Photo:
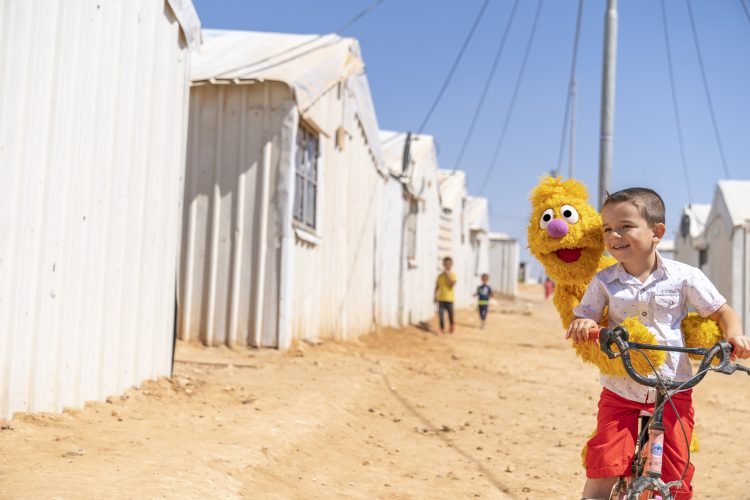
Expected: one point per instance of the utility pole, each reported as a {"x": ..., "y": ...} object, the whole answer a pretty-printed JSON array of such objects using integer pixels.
[
  {"x": 608, "y": 99},
  {"x": 572, "y": 148}
]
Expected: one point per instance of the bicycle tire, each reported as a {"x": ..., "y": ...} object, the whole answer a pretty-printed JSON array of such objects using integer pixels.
[{"x": 646, "y": 483}]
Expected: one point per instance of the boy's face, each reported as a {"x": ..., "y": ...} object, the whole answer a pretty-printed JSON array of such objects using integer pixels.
[
  {"x": 627, "y": 235},
  {"x": 485, "y": 279},
  {"x": 447, "y": 264}
]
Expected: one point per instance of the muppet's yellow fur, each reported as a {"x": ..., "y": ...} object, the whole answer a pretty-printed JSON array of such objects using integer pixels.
[{"x": 585, "y": 239}]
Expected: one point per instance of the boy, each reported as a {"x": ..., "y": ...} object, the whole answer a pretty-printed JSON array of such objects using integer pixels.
[
  {"x": 444, "y": 294},
  {"x": 659, "y": 292},
  {"x": 483, "y": 292}
]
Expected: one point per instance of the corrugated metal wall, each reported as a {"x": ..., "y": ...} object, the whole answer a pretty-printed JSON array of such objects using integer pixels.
[
  {"x": 332, "y": 275},
  {"x": 419, "y": 277},
  {"x": 504, "y": 265},
  {"x": 92, "y": 131},
  {"x": 389, "y": 242},
  {"x": 229, "y": 127},
  {"x": 334, "y": 290}
]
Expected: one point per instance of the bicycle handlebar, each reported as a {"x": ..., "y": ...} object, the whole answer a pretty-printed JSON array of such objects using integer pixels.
[{"x": 619, "y": 337}]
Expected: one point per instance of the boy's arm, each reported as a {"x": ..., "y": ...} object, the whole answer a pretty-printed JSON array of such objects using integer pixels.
[
  {"x": 730, "y": 324},
  {"x": 588, "y": 312},
  {"x": 451, "y": 277}
]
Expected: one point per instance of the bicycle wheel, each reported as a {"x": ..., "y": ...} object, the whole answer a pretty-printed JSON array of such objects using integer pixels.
[{"x": 645, "y": 483}]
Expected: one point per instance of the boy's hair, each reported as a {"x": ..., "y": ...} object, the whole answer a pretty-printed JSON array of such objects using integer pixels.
[
  {"x": 485, "y": 275},
  {"x": 447, "y": 259},
  {"x": 647, "y": 201}
]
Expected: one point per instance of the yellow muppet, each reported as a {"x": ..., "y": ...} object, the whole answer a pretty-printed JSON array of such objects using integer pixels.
[{"x": 565, "y": 234}]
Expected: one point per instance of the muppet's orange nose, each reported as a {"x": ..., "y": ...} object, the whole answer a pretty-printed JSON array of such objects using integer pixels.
[{"x": 557, "y": 228}]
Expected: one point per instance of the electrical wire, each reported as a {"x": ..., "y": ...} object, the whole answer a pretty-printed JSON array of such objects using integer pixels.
[
  {"x": 747, "y": 11},
  {"x": 571, "y": 81},
  {"x": 513, "y": 98},
  {"x": 708, "y": 93},
  {"x": 339, "y": 31},
  {"x": 486, "y": 87},
  {"x": 674, "y": 101},
  {"x": 453, "y": 68}
]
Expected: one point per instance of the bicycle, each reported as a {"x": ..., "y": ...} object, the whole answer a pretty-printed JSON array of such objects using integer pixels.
[{"x": 646, "y": 471}]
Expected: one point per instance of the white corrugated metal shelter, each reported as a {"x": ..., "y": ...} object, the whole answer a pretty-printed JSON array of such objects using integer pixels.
[
  {"x": 454, "y": 231},
  {"x": 478, "y": 256},
  {"x": 724, "y": 245},
  {"x": 93, "y": 121},
  {"x": 284, "y": 178},
  {"x": 692, "y": 222},
  {"x": 419, "y": 214},
  {"x": 503, "y": 264}
]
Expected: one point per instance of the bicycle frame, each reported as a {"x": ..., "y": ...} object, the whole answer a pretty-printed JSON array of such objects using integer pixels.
[{"x": 647, "y": 462}]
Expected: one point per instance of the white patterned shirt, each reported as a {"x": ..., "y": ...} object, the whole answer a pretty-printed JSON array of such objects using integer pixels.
[{"x": 660, "y": 303}]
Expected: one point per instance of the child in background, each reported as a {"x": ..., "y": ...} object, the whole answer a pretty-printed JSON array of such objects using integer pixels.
[
  {"x": 444, "y": 293},
  {"x": 484, "y": 292}
]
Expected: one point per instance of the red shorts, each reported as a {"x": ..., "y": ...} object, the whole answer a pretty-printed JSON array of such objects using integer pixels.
[{"x": 611, "y": 449}]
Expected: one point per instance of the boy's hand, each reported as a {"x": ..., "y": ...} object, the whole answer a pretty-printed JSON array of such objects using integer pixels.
[
  {"x": 741, "y": 345},
  {"x": 579, "y": 329}
]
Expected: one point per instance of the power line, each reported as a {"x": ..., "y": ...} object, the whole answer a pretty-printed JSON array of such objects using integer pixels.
[
  {"x": 674, "y": 101},
  {"x": 708, "y": 93},
  {"x": 339, "y": 31},
  {"x": 453, "y": 68},
  {"x": 359, "y": 16},
  {"x": 571, "y": 82},
  {"x": 486, "y": 87},
  {"x": 747, "y": 11},
  {"x": 513, "y": 99}
]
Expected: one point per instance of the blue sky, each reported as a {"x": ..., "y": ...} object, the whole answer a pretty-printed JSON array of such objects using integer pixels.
[{"x": 409, "y": 46}]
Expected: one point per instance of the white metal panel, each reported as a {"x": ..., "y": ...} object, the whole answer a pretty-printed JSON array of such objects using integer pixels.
[
  {"x": 331, "y": 283},
  {"x": 503, "y": 264},
  {"x": 93, "y": 106},
  {"x": 389, "y": 252},
  {"x": 420, "y": 180},
  {"x": 230, "y": 127}
]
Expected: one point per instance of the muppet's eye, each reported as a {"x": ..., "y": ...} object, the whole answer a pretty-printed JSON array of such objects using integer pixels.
[
  {"x": 569, "y": 213},
  {"x": 547, "y": 217}
]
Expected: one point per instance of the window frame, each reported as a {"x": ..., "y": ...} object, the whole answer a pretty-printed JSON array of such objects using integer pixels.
[{"x": 306, "y": 179}]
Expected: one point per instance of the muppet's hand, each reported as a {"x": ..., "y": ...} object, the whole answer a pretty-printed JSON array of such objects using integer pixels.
[{"x": 579, "y": 329}]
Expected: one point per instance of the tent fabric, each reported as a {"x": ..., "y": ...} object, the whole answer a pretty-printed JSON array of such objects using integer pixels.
[
  {"x": 310, "y": 64},
  {"x": 736, "y": 194},
  {"x": 422, "y": 156},
  {"x": 184, "y": 11},
  {"x": 698, "y": 214},
  {"x": 477, "y": 214},
  {"x": 452, "y": 188}
]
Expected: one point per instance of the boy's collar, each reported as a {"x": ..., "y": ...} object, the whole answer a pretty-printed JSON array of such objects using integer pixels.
[{"x": 619, "y": 272}]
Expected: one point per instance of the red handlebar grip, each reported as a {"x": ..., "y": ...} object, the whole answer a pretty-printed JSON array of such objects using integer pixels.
[{"x": 594, "y": 334}]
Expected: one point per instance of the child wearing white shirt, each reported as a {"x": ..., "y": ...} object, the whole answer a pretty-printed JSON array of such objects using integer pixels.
[{"x": 659, "y": 292}]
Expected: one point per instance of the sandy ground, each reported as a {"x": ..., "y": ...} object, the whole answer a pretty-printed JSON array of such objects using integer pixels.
[{"x": 494, "y": 413}]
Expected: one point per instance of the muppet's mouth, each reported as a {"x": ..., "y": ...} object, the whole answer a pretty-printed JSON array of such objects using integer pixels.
[{"x": 568, "y": 254}]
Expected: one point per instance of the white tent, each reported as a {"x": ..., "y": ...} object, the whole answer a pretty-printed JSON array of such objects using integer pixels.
[
  {"x": 478, "y": 256},
  {"x": 723, "y": 245},
  {"x": 92, "y": 147},
  {"x": 284, "y": 180},
  {"x": 453, "y": 236},
  {"x": 503, "y": 264},
  {"x": 692, "y": 222},
  {"x": 716, "y": 238},
  {"x": 412, "y": 159}
]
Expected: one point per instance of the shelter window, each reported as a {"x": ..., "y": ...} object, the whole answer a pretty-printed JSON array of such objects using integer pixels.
[{"x": 306, "y": 178}]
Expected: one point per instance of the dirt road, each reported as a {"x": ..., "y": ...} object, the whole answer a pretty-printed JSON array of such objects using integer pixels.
[{"x": 494, "y": 413}]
